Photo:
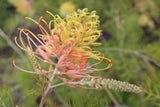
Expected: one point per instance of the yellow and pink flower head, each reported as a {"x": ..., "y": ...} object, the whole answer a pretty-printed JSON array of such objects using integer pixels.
[{"x": 70, "y": 41}]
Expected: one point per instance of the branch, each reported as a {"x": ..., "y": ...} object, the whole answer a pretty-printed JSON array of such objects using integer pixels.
[
  {"x": 11, "y": 44},
  {"x": 49, "y": 87},
  {"x": 65, "y": 104},
  {"x": 136, "y": 53},
  {"x": 113, "y": 98},
  {"x": 57, "y": 85}
]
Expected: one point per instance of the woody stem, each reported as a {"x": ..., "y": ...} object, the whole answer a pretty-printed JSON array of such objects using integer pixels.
[{"x": 49, "y": 87}]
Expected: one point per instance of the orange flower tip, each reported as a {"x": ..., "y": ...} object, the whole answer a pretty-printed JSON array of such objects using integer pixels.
[
  {"x": 105, "y": 76},
  {"x": 18, "y": 28},
  {"x": 41, "y": 17},
  {"x": 42, "y": 20},
  {"x": 27, "y": 33},
  {"x": 103, "y": 54},
  {"x": 25, "y": 30},
  {"x": 14, "y": 60},
  {"x": 15, "y": 37},
  {"x": 99, "y": 60},
  {"x": 110, "y": 62},
  {"x": 26, "y": 18},
  {"x": 87, "y": 29},
  {"x": 47, "y": 11}
]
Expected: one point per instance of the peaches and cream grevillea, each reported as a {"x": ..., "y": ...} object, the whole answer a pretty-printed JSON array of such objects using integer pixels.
[
  {"x": 66, "y": 48},
  {"x": 69, "y": 41}
]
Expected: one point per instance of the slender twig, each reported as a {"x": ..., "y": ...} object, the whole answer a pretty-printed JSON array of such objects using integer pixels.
[
  {"x": 11, "y": 44},
  {"x": 57, "y": 85},
  {"x": 61, "y": 100},
  {"x": 135, "y": 52},
  {"x": 145, "y": 58},
  {"x": 112, "y": 98},
  {"x": 49, "y": 87}
]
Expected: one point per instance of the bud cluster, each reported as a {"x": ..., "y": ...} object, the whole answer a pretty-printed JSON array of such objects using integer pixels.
[{"x": 102, "y": 83}]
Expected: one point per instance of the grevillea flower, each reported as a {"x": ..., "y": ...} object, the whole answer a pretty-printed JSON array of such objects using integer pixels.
[
  {"x": 66, "y": 47},
  {"x": 67, "y": 8},
  {"x": 70, "y": 41},
  {"x": 24, "y": 7}
]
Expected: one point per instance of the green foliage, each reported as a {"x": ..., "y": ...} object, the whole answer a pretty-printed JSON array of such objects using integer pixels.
[
  {"x": 3, "y": 43},
  {"x": 28, "y": 84},
  {"x": 11, "y": 23},
  {"x": 5, "y": 10},
  {"x": 153, "y": 51},
  {"x": 6, "y": 99},
  {"x": 132, "y": 46}
]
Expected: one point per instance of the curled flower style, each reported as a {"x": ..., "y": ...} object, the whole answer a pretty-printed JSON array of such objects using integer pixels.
[{"x": 70, "y": 41}]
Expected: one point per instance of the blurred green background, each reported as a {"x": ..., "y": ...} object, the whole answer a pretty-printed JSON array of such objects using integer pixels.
[{"x": 131, "y": 38}]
